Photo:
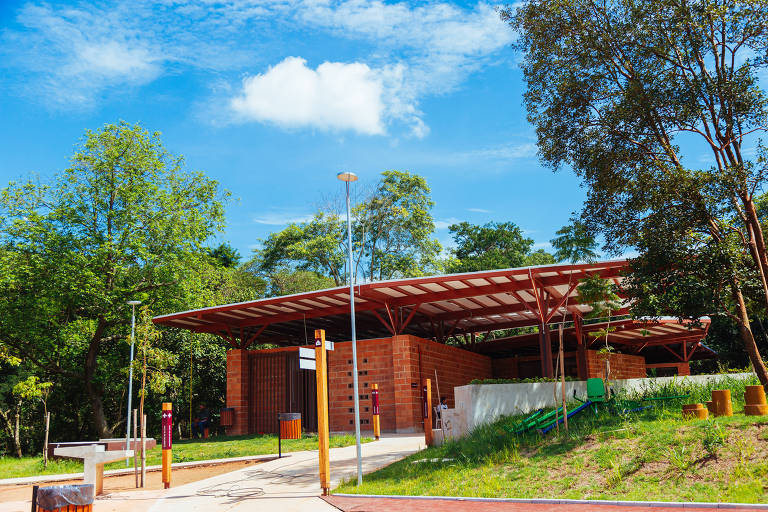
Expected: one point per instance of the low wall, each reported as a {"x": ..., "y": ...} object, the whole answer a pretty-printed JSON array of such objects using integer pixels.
[{"x": 477, "y": 404}]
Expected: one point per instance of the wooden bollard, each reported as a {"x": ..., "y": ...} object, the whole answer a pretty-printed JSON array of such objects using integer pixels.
[
  {"x": 427, "y": 411},
  {"x": 695, "y": 411},
  {"x": 711, "y": 407},
  {"x": 375, "y": 408},
  {"x": 721, "y": 399},
  {"x": 754, "y": 401}
]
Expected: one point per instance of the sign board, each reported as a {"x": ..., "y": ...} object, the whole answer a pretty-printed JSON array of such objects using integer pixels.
[
  {"x": 375, "y": 399},
  {"x": 306, "y": 353},
  {"x": 307, "y": 364},
  {"x": 328, "y": 344},
  {"x": 167, "y": 429},
  {"x": 424, "y": 402}
]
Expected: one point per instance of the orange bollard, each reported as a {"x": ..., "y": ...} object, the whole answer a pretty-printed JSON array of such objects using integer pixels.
[
  {"x": 375, "y": 408},
  {"x": 754, "y": 401},
  {"x": 167, "y": 443},
  {"x": 722, "y": 402},
  {"x": 695, "y": 411}
]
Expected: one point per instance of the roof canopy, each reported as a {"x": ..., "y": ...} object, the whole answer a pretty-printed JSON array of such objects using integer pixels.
[{"x": 431, "y": 307}]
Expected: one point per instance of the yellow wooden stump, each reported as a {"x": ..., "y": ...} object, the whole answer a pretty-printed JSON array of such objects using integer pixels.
[
  {"x": 695, "y": 411},
  {"x": 754, "y": 401},
  {"x": 721, "y": 399}
]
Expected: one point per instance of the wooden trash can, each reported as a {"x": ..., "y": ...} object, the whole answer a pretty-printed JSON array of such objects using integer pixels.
[
  {"x": 754, "y": 401},
  {"x": 695, "y": 411},
  {"x": 63, "y": 498},
  {"x": 721, "y": 399},
  {"x": 290, "y": 425},
  {"x": 227, "y": 417}
]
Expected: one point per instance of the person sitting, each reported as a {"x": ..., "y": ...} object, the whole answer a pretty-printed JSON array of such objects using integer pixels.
[
  {"x": 201, "y": 423},
  {"x": 443, "y": 405}
]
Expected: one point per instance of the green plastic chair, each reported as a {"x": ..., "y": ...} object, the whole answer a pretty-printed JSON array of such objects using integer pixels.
[{"x": 596, "y": 390}]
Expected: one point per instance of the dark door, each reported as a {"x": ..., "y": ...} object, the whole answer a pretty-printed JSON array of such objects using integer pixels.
[{"x": 279, "y": 385}]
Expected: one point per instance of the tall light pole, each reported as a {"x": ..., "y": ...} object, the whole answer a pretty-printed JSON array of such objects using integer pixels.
[
  {"x": 347, "y": 178},
  {"x": 133, "y": 304}
]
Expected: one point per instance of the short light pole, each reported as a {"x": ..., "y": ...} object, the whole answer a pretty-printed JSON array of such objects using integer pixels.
[
  {"x": 347, "y": 178},
  {"x": 133, "y": 304}
]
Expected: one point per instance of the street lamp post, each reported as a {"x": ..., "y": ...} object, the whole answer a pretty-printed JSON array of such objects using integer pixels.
[
  {"x": 347, "y": 178},
  {"x": 133, "y": 304}
]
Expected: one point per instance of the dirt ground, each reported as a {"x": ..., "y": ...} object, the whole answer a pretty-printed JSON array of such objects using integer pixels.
[{"x": 124, "y": 483}]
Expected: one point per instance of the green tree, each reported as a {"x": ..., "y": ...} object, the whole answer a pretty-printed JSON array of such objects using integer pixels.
[
  {"x": 630, "y": 95},
  {"x": 392, "y": 237},
  {"x": 123, "y": 221},
  {"x": 394, "y": 229},
  {"x": 575, "y": 243},
  {"x": 492, "y": 246},
  {"x": 226, "y": 255}
]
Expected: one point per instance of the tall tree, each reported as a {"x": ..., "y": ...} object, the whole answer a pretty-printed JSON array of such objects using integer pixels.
[
  {"x": 392, "y": 237},
  {"x": 491, "y": 246},
  {"x": 630, "y": 95},
  {"x": 124, "y": 221}
]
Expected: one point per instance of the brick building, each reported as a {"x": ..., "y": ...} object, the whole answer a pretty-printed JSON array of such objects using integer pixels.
[{"x": 412, "y": 329}]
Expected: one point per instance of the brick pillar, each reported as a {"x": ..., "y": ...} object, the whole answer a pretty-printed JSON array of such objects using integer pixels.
[
  {"x": 683, "y": 369},
  {"x": 407, "y": 399},
  {"x": 238, "y": 384}
]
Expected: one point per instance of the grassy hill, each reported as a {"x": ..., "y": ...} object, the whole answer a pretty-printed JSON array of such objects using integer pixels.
[{"x": 648, "y": 455}]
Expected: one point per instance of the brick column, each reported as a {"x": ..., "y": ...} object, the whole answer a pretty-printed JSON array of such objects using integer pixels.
[
  {"x": 406, "y": 370},
  {"x": 238, "y": 385}
]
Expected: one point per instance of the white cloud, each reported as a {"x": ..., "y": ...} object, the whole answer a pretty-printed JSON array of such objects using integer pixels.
[
  {"x": 446, "y": 223},
  {"x": 478, "y": 210},
  {"x": 382, "y": 59},
  {"x": 281, "y": 219},
  {"x": 335, "y": 96}
]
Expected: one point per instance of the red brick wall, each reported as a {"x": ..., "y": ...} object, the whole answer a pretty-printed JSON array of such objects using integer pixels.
[
  {"x": 623, "y": 366},
  {"x": 392, "y": 363},
  {"x": 374, "y": 366},
  {"x": 237, "y": 389}
]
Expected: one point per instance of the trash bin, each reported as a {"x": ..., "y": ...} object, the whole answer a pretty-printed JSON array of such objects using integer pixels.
[
  {"x": 290, "y": 425},
  {"x": 63, "y": 498},
  {"x": 227, "y": 417}
]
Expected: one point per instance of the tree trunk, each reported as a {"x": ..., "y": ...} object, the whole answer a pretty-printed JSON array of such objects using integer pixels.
[
  {"x": 746, "y": 335},
  {"x": 8, "y": 426},
  {"x": 16, "y": 436},
  {"x": 45, "y": 443},
  {"x": 94, "y": 393}
]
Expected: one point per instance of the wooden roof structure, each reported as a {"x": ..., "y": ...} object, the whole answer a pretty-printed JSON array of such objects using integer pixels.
[{"x": 436, "y": 307}]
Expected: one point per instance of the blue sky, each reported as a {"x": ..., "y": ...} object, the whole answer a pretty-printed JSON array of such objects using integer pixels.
[{"x": 272, "y": 98}]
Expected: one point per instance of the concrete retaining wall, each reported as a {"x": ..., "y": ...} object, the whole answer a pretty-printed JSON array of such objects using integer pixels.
[{"x": 477, "y": 404}]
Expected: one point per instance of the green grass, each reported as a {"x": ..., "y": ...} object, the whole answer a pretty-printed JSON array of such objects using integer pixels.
[
  {"x": 183, "y": 451},
  {"x": 647, "y": 455}
]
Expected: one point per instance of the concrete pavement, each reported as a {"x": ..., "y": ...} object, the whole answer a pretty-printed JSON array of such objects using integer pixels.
[{"x": 290, "y": 484}]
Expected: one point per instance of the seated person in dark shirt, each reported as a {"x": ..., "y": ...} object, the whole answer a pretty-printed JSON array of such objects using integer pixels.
[{"x": 201, "y": 422}]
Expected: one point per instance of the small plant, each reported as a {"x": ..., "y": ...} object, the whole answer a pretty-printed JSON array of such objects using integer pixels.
[
  {"x": 680, "y": 458},
  {"x": 715, "y": 436}
]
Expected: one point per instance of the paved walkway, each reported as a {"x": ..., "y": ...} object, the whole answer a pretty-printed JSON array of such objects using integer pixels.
[
  {"x": 378, "y": 504},
  {"x": 290, "y": 484}
]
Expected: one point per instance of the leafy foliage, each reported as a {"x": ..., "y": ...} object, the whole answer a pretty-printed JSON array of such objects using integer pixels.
[
  {"x": 492, "y": 246},
  {"x": 123, "y": 221}
]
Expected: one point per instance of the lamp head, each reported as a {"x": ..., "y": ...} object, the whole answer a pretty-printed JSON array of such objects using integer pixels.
[
  {"x": 347, "y": 176},
  {"x": 133, "y": 302}
]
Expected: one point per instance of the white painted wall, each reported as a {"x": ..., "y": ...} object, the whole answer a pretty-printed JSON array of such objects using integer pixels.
[{"x": 477, "y": 404}]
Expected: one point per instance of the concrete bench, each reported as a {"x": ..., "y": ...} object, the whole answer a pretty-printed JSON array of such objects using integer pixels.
[{"x": 94, "y": 457}]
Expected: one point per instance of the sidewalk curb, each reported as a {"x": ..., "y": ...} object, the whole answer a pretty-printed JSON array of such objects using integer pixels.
[
  {"x": 645, "y": 504},
  {"x": 129, "y": 471}
]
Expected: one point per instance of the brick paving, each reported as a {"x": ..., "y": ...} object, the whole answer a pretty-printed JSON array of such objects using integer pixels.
[{"x": 367, "y": 504}]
